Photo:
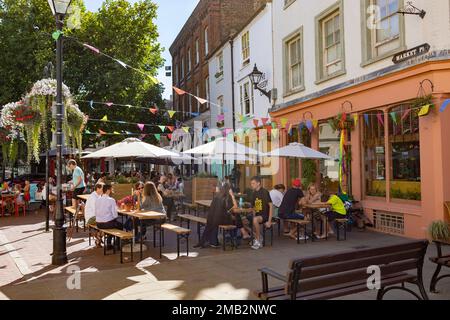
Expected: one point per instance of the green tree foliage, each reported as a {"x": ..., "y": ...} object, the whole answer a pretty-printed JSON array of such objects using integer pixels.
[{"x": 120, "y": 29}]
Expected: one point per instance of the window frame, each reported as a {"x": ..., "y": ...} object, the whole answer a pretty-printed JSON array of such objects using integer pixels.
[
  {"x": 206, "y": 36},
  {"x": 197, "y": 51},
  {"x": 245, "y": 50},
  {"x": 367, "y": 48},
  {"x": 286, "y": 63},
  {"x": 320, "y": 20},
  {"x": 220, "y": 68},
  {"x": 250, "y": 97}
]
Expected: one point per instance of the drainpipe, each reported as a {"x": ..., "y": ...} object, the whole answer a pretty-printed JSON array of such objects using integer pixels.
[
  {"x": 233, "y": 106},
  {"x": 232, "y": 84}
]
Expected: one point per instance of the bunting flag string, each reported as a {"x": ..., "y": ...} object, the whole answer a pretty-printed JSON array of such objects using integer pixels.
[
  {"x": 153, "y": 110},
  {"x": 120, "y": 62}
]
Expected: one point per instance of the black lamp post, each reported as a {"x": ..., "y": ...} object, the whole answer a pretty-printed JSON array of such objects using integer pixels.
[
  {"x": 255, "y": 78},
  {"x": 59, "y": 9}
]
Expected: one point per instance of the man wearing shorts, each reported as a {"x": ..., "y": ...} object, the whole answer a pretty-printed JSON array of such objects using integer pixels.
[
  {"x": 78, "y": 184},
  {"x": 263, "y": 209}
]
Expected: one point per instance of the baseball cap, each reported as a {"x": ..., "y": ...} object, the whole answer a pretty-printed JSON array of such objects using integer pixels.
[{"x": 297, "y": 183}]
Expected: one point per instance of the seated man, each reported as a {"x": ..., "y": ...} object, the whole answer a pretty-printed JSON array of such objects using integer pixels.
[
  {"x": 106, "y": 212},
  {"x": 291, "y": 201},
  {"x": 263, "y": 209},
  {"x": 89, "y": 209}
]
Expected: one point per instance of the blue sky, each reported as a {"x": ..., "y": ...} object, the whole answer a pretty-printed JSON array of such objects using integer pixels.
[{"x": 172, "y": 14}]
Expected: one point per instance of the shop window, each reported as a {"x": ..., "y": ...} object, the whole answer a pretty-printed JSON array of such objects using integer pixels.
[
  {"x": 405, "y": 153},
  {"x": 374, "y": 154},
  {"x": 329, "y": 169}
]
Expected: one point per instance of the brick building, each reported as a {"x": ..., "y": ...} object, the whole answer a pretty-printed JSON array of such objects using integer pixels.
[{"x": 211, "y": 23}]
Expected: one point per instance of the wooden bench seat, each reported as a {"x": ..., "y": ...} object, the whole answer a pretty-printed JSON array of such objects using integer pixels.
[
  {"x": 441, "y": 261},
  {"x": 190, "y": 207},
  {"x": 301, "y": 225},
  {"x": 76, "y": 215},
  {"x": 230, "y": 231},
  {"x": 341, "y": 274},
  {"x": 201, "y": 223},
  {"x": 123, "y": 236},
  {"x": 182, "y": 234}
]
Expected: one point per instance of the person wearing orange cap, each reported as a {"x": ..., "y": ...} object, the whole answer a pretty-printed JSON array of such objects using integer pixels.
[{"x": 291, "y": 201}]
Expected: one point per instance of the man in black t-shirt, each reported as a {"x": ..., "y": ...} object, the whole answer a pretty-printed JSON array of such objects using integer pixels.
[
  {"x": 262, "y": 205},
  {"x": 291, "y": 201}
]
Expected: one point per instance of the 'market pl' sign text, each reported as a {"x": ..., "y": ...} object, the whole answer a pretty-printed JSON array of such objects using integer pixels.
[{"x": 411, "y": 53}]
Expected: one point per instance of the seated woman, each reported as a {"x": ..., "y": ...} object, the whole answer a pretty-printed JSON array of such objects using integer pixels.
[
  {"x": 312, "y": 196},
  {"x": 151, "y": 200},
  {"x": 219, "y": 214},
  {"x": 337, "y": 211}
]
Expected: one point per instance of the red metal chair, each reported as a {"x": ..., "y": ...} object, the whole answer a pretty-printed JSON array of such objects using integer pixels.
[{"x": 18, "y": 206}]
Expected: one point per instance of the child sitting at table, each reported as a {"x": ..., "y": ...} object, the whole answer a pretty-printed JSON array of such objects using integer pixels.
[
  {"x": 337, "y": 211},
  {"x": 18, "y": 194}
]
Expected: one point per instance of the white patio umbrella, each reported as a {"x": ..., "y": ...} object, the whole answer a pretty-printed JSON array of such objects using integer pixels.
[
  {"x": 221, "y": 147},
  {"x": 131, "y": 148},
  {"x": 297, "y": 150},
  {"x": 225, "y": 149}
]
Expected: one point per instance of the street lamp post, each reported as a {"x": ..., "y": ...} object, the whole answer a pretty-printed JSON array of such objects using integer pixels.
[{"x": 59, "y": 9}]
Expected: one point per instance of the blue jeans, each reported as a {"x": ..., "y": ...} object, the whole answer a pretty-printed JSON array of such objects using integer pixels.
[{"x": 295, "y": 216}]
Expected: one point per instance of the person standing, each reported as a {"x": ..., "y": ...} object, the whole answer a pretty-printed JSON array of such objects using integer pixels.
[
  {"x": 78, "y": 183},
  {"x": 263, "y": 210}
]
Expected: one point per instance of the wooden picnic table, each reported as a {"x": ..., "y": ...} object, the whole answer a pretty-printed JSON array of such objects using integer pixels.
[
  {"x": 315, "y": 208},
  {"x": 141, "y": 216}
]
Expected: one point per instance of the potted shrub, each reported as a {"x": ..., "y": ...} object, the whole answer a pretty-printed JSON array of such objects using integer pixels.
[{"x": 439, "y": 231}]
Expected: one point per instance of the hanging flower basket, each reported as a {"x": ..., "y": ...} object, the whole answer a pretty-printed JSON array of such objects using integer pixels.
[
  {"x": 32, "y": 118},
  {"x": 26, "y": 115},
  {"x": 342, "y": 122}
]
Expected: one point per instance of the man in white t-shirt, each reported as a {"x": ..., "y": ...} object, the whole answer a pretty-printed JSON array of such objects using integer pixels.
[
  {"x": 277, "y": 195},
  {"x": 89, "y": 209}
]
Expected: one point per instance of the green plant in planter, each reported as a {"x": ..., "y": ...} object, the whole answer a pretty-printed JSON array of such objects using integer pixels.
[
  {"x": 439, "y": 231},
  {"x": 309, "y": 171}
]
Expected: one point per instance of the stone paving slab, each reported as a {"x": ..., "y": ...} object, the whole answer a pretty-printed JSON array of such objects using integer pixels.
[{"x": 207, "y": 274}]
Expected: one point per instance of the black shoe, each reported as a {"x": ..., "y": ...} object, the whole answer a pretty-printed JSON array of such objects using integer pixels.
[
  {"x": 214, "y": 246},
  {"x": 198, "y": 245}
]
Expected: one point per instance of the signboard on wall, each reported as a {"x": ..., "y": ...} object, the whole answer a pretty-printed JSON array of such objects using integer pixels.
[{"x": 411, "y": 53}]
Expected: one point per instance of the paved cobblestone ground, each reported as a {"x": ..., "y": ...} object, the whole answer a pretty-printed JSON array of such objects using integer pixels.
[{"x": 26, "y": 271}]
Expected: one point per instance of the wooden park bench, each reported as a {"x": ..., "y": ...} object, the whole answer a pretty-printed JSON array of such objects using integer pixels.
[
  {"x": 182, "y": 234},
  {"x": 341, "y": 274},
  {"x": 201, "y": 223},
  {"x": 441, "y": 261},
  {"x": 123, "y": 236}
]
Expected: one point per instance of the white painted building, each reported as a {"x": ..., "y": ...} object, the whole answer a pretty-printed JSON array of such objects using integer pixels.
[
  {"x": 353, "y": 49},
  {"x": 231, "y": 65}
]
